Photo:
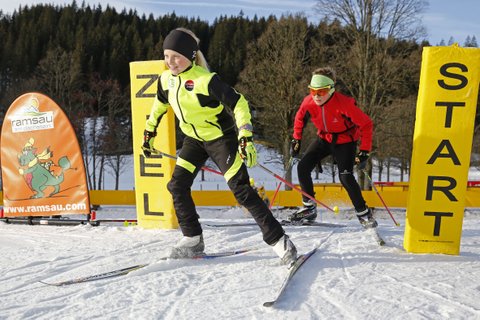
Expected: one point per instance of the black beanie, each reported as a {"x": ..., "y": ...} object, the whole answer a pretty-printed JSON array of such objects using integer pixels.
[{"x": 182, "y": 43}]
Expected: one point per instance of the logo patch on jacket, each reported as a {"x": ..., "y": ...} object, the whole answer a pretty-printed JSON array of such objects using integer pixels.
[
  {"x": 171, "y": 83},
  {"x": 189, "y": 85}
]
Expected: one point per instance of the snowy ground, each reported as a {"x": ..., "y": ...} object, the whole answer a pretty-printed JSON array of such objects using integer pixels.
[{"x": 349, "y": 278}]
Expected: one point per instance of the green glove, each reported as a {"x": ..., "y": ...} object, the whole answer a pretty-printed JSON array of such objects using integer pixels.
[
  {"x": 246, "y": 148},
  {"x": 148, "y": 140}
]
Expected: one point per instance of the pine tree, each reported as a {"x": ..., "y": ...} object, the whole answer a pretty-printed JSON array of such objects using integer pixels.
[
  {"x": 474, "y": 42},
  {"x": 470, "y": 42}
]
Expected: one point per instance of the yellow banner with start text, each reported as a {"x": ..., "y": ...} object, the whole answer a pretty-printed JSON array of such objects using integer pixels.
[{"x": 446, "y": 106}]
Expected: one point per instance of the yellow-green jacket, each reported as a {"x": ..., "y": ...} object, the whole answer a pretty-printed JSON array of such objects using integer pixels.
[{"x": 198, "y": 98}]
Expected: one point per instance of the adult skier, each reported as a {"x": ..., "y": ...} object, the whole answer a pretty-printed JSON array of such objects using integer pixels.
[{"x": 340, "y": 126}]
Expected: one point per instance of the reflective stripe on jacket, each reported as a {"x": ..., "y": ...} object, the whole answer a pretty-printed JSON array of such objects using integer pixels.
[{"x": 339, "y": 116}]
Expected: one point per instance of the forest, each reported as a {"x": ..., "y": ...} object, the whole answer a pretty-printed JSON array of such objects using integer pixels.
[{"x": 79, "y": 56}]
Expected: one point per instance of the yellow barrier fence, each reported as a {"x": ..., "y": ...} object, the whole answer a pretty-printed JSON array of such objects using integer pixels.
[{"x": 394, "y": 195}]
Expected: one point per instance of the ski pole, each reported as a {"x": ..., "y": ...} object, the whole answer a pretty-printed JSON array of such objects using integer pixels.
[
  {"x": 289, "y": 166},
  {"x": 166, "y": 155},
  {"x": 381, "y": 199},
  {"x": 297, "y": 189}
]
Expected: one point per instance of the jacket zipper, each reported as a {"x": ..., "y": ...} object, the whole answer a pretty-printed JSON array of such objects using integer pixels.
[{"x": 323, "y": 119}]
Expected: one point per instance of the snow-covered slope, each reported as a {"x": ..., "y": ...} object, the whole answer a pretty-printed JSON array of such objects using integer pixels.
[{"x": 350, "y": 277}]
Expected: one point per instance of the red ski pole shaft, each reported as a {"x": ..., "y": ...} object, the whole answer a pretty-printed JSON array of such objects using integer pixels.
[
  {"x": 212, "y": 170},
  {"x": 380, "y": 197},
  {"x": 295, "y": 187},
  {"x": 289, "y": 166},
  {"x": 275, "y": 195},
  {"x": 166, "y": 155}
]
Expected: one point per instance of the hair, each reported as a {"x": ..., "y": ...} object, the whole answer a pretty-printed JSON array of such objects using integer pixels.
[
  {"x": 327, "y": 72},
  {"x": 199, "y": 58}
]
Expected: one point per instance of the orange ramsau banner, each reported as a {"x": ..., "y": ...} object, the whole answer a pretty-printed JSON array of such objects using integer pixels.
[{"x": 43, "y": 173}]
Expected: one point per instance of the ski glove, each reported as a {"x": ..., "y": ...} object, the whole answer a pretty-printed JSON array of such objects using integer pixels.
[
  {"x": 296, "y": 144},
  {"x": 319, "y": 166},
  {"x": 361, "y": 159},
  {"x": 246, "y": 148},
  {"x": 148, "y": 139}
]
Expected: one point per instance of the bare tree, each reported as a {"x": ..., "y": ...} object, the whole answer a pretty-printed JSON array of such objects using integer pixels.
[
  {"x": 59, "y": 76},
  {"x": 275, "y": 79},
  {"x": 397, "y": 126},
  {"x": 373, "y": 65},
  {"x": 117, "y": 133},
  {"x": 107, "y": 130},
  {"x": 475, "y": 158}
]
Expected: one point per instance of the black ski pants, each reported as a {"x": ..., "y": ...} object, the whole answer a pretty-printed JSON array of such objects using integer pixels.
[
  {"x": 224, "y": 152},
  {"x": 344, "y": 156}
]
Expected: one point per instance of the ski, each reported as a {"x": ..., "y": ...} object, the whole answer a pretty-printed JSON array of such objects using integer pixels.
[
  {"x": 376, "y": 236},
  {"x": 283, "y": 223},
  {"x": 233, "y": 224},
  {"x": 124, "y": 271},
  {"x": 291, "y": 272},
  {"x": 311, "y": 223},
  {"x": 99, "y": 276}
]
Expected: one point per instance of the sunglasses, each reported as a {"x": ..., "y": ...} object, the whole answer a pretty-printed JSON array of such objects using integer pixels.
[{"x": 320, "y": 92}]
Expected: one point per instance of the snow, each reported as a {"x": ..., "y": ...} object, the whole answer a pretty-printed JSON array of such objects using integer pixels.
[{"x": 350, "y": 276}]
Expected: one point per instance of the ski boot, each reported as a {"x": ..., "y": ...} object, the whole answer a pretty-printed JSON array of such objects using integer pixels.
[
  {"x": 188, "y": 247},
  {"x": 286, "y": 250},
  {"x": 308, "y": 213},
  {"x": 366, "y": 219}
]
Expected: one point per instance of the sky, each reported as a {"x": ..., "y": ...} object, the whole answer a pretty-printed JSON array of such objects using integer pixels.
[{"x": 443, "y": 18}]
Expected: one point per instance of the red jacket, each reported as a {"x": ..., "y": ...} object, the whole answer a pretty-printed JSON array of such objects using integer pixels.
[{"x": 339, "y": 115}]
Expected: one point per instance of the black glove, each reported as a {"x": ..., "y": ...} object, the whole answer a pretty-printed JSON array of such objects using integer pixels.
[
  {"x": 319, "y": 166},
  {"x": 148, "y": 139},
  {"x": 361, "y": 159},
  {"x": 296, "y": 144}
]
